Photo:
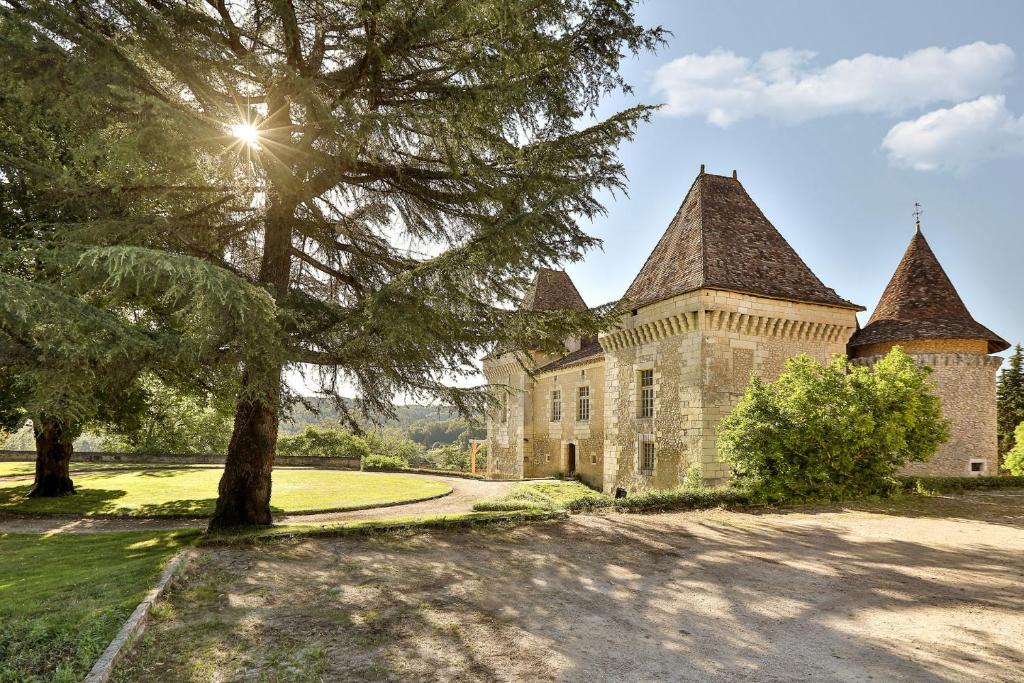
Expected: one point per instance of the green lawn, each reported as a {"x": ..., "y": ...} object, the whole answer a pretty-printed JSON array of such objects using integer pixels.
[
  {"x": 63, "y": 597},
  {"x": 193, "y": 491}
]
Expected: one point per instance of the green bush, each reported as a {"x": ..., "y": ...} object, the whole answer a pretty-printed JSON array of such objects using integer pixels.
[
  {"x": 694, "y": 476},
  {"x": 455, "y": 458},
  {"x": 323, "y": 442},
  {"x": 391, "y": 441},
  {"x": 830, "y": 432},
  {"x": 932, "y": 485},
  {"x": 379, "y": 461},
  {"x": 684, "y": 499},
  {"x": 1014, "y": 459}
]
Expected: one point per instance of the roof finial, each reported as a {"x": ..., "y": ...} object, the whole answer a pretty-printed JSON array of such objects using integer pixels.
[
  {"x": 701, "y": 169},
  {"x": 917, "y": 216},
  {"x": 734, "y": 174}
]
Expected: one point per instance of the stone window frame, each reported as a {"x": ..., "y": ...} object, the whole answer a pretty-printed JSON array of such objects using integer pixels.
[
  {"x": 971, "y": 472},
  {"x": 639, "y": 396},
  {"x": 643, "y": 440},
  {"x": 580, "y": 417},
  {"x": 645, "y": 401},
  {"x": 556, "y": 405}
]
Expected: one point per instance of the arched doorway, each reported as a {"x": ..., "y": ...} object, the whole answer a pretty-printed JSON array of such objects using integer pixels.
[{"x": 570, "y": 459}]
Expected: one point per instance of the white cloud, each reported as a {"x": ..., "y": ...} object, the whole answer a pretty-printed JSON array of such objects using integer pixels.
[
  {"x": 957, "y": 138},
  {"x": 784, "y": 85}
]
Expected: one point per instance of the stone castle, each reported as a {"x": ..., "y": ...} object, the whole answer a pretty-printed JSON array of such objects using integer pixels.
[{"x": 723, "y": 294}]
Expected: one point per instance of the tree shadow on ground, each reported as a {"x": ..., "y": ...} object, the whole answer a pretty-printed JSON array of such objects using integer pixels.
[
  {"x": 99, "y": 502},
  {"x": 667, "y": 597}
]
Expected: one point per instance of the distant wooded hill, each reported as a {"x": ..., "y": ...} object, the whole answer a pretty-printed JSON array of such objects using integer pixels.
[
  {"x": 426, "y": 425},
  {"x": 324, "y": 412}
]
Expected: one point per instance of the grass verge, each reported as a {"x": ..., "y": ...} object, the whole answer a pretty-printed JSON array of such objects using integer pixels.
[
  {"x": 375, "y": 526},
  {"x": 546, "y": 495},
  {"x": 574, "y": 496},
  {"x": 192, "y": 492},
  {"x": 63, "y": 597}
]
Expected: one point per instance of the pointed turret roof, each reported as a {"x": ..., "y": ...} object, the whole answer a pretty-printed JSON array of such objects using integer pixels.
[
  {"x": 920, "y": 302},
  {"x": 719, "y": 239},
  {"x": 553, "y": 290}
]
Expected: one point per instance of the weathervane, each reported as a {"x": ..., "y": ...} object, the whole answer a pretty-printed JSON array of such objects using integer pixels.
[{"x": 917, "y": 216}]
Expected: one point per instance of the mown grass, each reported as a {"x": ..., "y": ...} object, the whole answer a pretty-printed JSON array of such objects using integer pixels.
[
  {"x": 63, "y": 597},
  {"x": 180, "y": 492}
]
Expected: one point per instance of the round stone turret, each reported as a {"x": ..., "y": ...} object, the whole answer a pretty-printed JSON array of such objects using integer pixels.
[{"x": 921, "y": 312}]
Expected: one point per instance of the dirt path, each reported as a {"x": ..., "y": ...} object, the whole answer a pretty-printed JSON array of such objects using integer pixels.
[
  {"x": 919, "y": 589},
  {"x": 464, "y": 493}
]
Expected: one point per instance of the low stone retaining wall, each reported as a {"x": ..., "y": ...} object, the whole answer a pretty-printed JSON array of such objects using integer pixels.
[{"x": 191, "y": 459}]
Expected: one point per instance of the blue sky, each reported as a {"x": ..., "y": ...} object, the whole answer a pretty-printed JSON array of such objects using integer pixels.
[{"x": 941, "y": 84}]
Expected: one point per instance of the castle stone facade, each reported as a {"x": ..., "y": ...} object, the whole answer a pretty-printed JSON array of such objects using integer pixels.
[{"x": 721, "y": 295}]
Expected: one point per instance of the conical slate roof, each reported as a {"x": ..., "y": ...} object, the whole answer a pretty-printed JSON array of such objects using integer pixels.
[
  {"x": 719, "y": 239},
  {"x": 920, "y": 302},
  {"x": 553, "y": 290}
]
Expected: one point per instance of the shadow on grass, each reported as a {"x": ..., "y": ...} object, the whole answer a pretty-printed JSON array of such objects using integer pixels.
[{"x": 93, "y": 502}]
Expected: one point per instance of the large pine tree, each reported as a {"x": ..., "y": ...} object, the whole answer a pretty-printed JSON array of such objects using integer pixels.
[
  {"x": 89, "y": 303},
  {"x": 413, "y": 161},
  {"x": 1010, "y": 399}
]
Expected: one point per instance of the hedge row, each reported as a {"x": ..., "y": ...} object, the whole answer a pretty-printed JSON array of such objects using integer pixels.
[
  {"x": 950, "y": 484},
  {"x": 576, "y": 497},
  {"x": 684, "y": 499}
]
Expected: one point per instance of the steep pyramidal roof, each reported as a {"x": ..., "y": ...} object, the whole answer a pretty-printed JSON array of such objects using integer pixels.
[
  {"x": 920, "y": 302},
  {"x": 719, "y": 239},
  {"x": 553, "y": 290}
]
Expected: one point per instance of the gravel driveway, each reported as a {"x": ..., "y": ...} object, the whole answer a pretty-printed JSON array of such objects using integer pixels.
[{"x": 917, "y": 589}]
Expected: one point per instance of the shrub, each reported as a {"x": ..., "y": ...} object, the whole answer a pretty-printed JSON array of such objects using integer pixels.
[
  {"x": 694, "y": 476},
  {"x": 834, "y": 431},
  {"x": 1014, "y": 460},
  {"x": 323, "y": 442},
  {"x": 454, "y": 457},
  {"x": 684, "y": 499},
  {"x": 379, "y": 461},
  {"x": 391, "y": 441},
  {"x": 933, "y": 485}
]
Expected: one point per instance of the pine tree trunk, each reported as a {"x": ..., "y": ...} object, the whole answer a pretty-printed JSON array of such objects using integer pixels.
[
  {"x": 53, "y": 460},
  {"x": 244, "y": 490}
]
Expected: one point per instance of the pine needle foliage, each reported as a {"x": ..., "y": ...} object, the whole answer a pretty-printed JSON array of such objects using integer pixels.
[
  {"x": 390, "y": 173},
  {"x": 416, "y": 161},
  {"x": 1010, "y": 400},
  {"x": 90, "y": 299}
]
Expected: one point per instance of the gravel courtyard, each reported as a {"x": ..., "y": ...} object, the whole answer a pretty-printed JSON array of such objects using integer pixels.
[{"x": 914, "y": 589}]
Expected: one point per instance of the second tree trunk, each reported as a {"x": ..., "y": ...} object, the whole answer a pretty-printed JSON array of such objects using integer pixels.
[{"x": 53, "y": 460}]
